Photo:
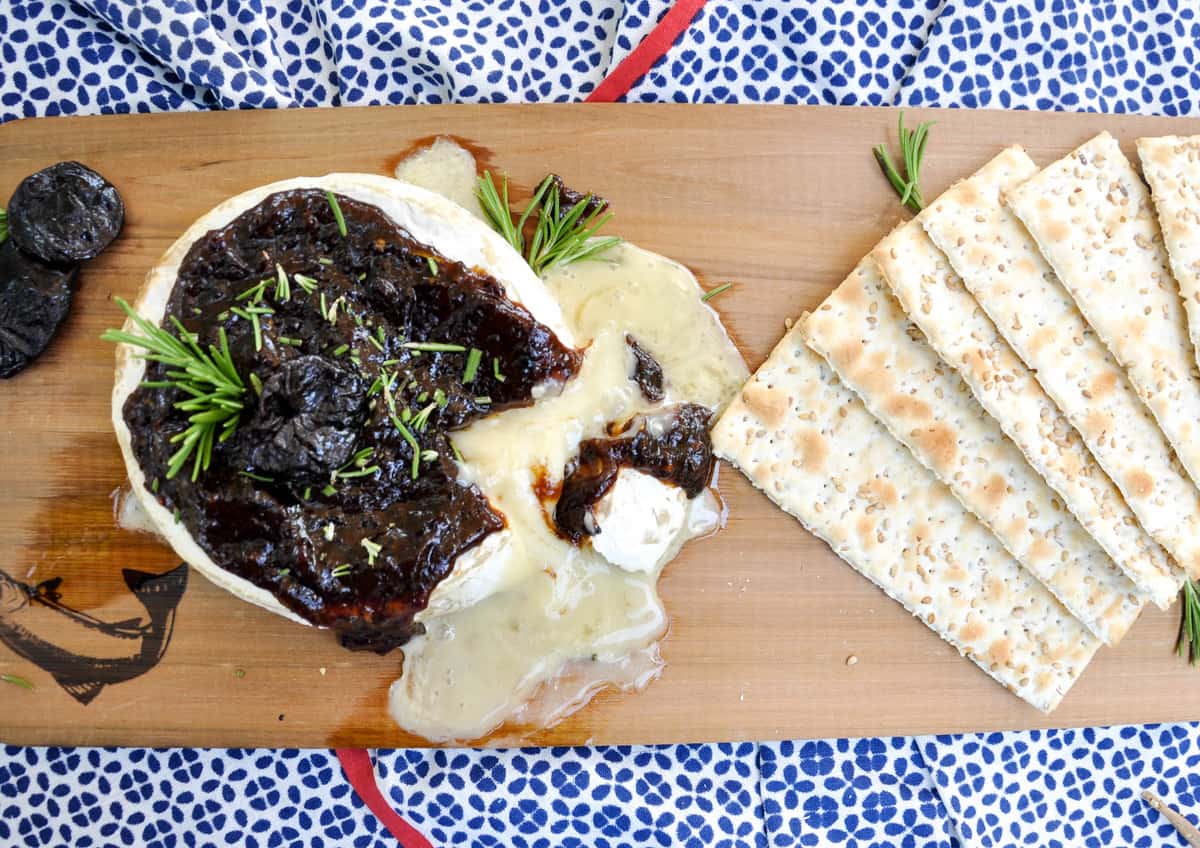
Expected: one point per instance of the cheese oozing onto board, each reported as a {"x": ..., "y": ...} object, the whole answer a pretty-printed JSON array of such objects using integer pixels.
[{"x": 539, "y": 619}]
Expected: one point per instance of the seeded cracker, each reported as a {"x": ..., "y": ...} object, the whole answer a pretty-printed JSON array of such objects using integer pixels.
[
  {"x": 812, "y": 447},
  {"x": 1002, "y": 267},
  {"x": 961, "y": 333},
  {"x": 1171, "y": 165},
  {"x": 1091, "y": 217},
  {"x": 865, "y": 336}
]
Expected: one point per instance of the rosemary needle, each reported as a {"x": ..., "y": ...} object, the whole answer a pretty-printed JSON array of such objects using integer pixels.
[
  {"x": 3, "y": 225},
  {"x": 337, "y": 212},
  {"x": 473, "y": 360},
  {"x": 711, "y": 293},
  {"x": 16, "y": 680}
]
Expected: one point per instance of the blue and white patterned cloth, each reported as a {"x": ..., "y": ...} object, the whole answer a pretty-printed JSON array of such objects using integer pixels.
[
  {"x": 1047, "y": 789},
  {"x": 1065, "y": 788}
]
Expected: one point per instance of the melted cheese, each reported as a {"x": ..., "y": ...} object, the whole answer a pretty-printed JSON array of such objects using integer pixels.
[{"x": 561, "y": 609}]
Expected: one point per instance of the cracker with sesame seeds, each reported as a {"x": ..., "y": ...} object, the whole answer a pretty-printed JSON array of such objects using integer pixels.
[
  {"x": 1171, "y": 165},
  {"x": 955, "y": 326},
  {"x": 808, "y": 442},
  {"x": 1000, "y": 265},
  {"x": 1092, "y": 219},
  {"x": 875, "y": 349}
]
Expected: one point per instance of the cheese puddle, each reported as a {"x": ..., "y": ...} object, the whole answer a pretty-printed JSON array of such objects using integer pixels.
[{"x": 538, "y": 618}]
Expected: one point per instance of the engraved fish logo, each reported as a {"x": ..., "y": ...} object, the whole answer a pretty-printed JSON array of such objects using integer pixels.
[{"x": 29, "y": 613}]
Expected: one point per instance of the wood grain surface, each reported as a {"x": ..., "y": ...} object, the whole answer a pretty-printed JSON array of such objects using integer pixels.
[{"x": 781, "y": 200}]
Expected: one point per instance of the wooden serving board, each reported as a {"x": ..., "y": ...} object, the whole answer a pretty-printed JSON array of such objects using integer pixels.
[{"x": 783, "y": 201}]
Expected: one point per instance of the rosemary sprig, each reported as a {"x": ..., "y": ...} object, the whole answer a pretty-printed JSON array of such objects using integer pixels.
[
  {"x": 1188, "y": 643},
  {"x": 421, "y": 420},
  {"x": 209, "y": 378},
  {"x": 560, "y": 237},
  {"x": 912, "y": 154}
]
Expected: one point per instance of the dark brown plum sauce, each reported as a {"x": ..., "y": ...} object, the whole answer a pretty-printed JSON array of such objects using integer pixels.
[
  {"x": 353, "y": 545},
  {"x": 673, "y": 446}
]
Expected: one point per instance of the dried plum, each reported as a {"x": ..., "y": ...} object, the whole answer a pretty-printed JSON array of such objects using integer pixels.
[
  {"x": 65, "y": 214},
  {"x": 34, "y": 300},
  {"x": 308, "y": 419}
]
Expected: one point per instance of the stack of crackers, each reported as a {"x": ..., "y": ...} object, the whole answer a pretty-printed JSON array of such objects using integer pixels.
[{"x": 996, "y": 417}]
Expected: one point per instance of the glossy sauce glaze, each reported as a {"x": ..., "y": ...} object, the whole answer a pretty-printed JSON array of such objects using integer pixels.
[{"x": 354, "y": 545}]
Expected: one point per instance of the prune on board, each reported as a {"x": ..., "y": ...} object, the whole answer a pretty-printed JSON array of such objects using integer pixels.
[
  {"x": 308, "y": 419},
  {"x": 65, "y": 213},
  {"x": 34, "y": 300}
]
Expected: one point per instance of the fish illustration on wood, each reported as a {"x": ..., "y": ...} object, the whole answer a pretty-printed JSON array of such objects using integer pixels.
[{"x": 32, "y": 620}]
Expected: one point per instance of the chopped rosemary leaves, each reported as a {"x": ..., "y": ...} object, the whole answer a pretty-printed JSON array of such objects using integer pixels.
[
  {"x": 290, "y": 342},
  {"x": 711, "y": 293},
  {"x": 283, "y": 289},
  {"x": 483, "y": 400},
  {"x": 406, "y": 415},
  {"x": 257, "y": 477},
  {"x": 209, "y": 378},
  {"x": 433, "y": 266},
  {"x": 176, "y": 515},
  {"x": 1188, "y": 643},
  {"x": 307, "y": 492},
  {"x": 342, "y": 570},
  {"x": 255, "y": 292},
  {"x": 388, "y": 363},
  {"x": 435, "y": 347},
  {"x": 376, "y": 387},
  {"x": 307, "y": 283},
  {"x": 412, "y": 443},
  {"x": 361, "y": 472},
  {"x": 337, "y": 212},
  {"x": 429, "y": 455},
  {"x": 473, "y": 360},
  {"x": 251, "y": 315},
  {"x": 496, "y": 369},
  {"x": 439, "y": 397},
  {"x": 329, "y": 490},
  {"x": 373, "y": 549},
  {"x": 560, "y": 237},
  {"x": 3, "y": 229},
  {"x": 374, "y": 341},
  {"x": 354, "y": 357},
  {"x": 326, "y": 261},
  {"x": 912, "y": 154},
  {"x": 421, "y": 419},
  {"x": 284, "y": 572},
  {"x": 154, "y": 485},
  {"x": 14, "y": 679},
  {"x": 256, "y": 383},
  {"x": 340, "y": 349},
  {"x": 329, "y": 531}
]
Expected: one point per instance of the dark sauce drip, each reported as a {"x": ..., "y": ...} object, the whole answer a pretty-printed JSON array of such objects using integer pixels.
[
  {"x": 647, "y": 373},
  {"x": 319, "y": 406},
  {"x": 679, "y": 453}
]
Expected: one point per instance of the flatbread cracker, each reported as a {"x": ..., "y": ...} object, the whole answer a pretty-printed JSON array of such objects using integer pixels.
[
  {"x": 1171, "y": 165},
  {"x": 1092, "y": 219},
  {"x": 1001, "y": 266},
  {"x": 955, "y": 326},
  {"x": 813, "y": 448},
  {"x": 875, "y": 350}
]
